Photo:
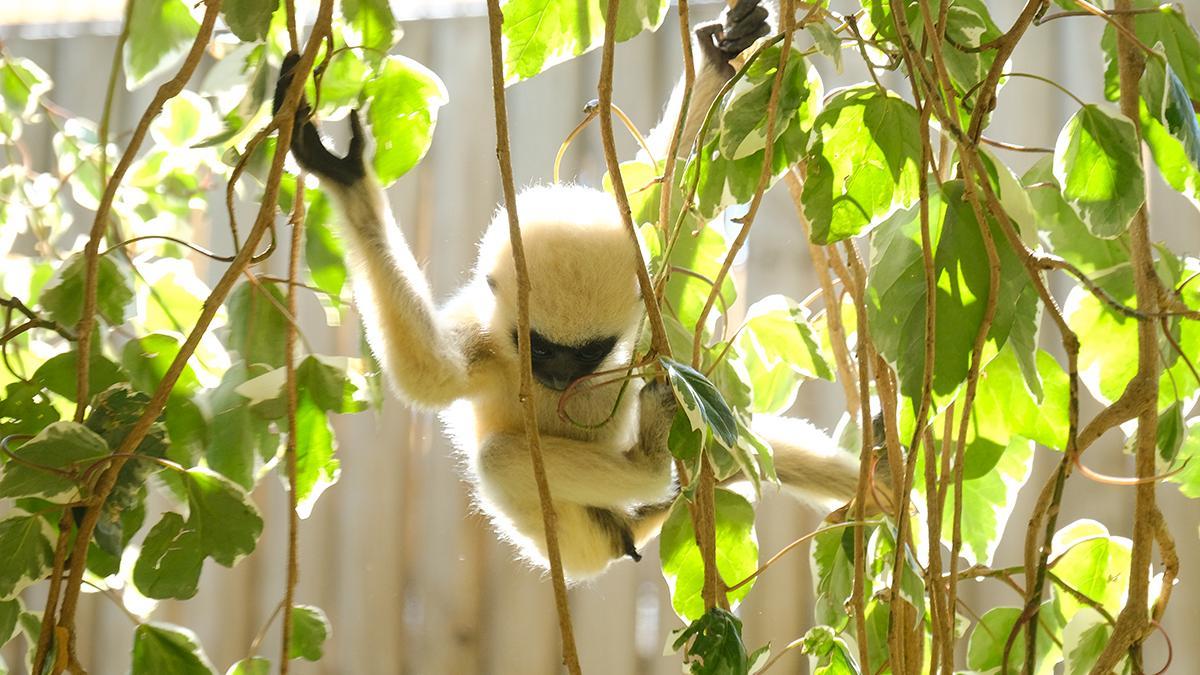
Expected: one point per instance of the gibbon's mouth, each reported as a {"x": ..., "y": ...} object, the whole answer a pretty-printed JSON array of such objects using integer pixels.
[{"x": 555, "y": 382}]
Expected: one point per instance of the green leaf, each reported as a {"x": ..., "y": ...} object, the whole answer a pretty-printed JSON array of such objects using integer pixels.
[
  {"x": 170, "y": 560},
  {"x": 323, "y": 251},
  {"x": 1098, "y": 163},
  {"x": 682, "y": 565},
  {"x": 543, "y": 33},
  {"x": 9, "y": 611},
  {"x": 832, "y": 653},
  {"x": 1084, "y": 638},
  {"x": 896, "y": 291},
  {"x": 989, "y": 500},
  {"x": 1068, "y": 237},
  {"x": 222, "y": 514},
  {"x": 113, "y": 415},
  {"x": 22, "y": 85},
  {"x": 714, "y": 645},
  {"x": 257, "y": 324},
  {"x": 743, "y": 121},
  {"x": 58, "y": 374},
  {"x": 25, "y": 409},
  {"x": 147, "y": 359},
  {"x": 405, "y": 97},
  {"x": 373, "y": 23},
  {"x": 316, "y": 467},
  {"x": 238, "y": 437},
  {"x": 160, "y": 648},
  {"x": 160, "y": 33},
  {"x": 863, "y": 164},
  {"x": 1097, "y": 567},
  {"x": 1004, "y": 406},
  {"x": 310, "y": 629},
  {"x": 62, "y": 447},
  {"x": 779, "y": 348},
  {"x": 832, "y": 562},
  {"x": 706, "y": 409},
  {"x": 985, "y": 651},
  {"x": 1168, "y": 26},
  {"x": 249, "y": 19},
  {"x": 28, "y": 554},
  {"x": 703, "y": 254},
  {"x": 1171, "y": 128},
  {"x": 63, "y": 296},
  {"x": 255, "y": 665},
  {"x": 1189, "y": 478},
  {"x": 1108, "y": 339}
]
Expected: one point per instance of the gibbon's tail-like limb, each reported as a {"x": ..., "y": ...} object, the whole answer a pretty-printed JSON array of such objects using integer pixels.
[{"x": 812, "y": 468}]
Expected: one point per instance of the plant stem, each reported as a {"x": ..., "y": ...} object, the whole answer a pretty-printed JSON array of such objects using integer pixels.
[{"x": 504, "y": 158}]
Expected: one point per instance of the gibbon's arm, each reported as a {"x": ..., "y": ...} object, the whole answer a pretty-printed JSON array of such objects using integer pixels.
[
  {"x": 718, "y": 42},
  {"x": 424, "y": 357}
]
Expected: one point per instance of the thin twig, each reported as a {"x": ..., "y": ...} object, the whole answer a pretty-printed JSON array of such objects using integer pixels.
[
  {"x": 504, "y": 158},
  {"x": 289, "y": 363}
]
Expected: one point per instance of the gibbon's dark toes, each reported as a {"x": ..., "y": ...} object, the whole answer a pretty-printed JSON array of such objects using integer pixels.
[
  {"x": 741, "y": 10},
  {"x": 741, "y": 34}
]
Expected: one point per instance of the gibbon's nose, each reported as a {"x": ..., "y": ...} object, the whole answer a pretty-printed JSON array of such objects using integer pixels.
[{"x": 556, "y": 372}]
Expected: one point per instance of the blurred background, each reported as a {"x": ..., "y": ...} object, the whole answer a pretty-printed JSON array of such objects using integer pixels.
[{"x": 411, "y": 576}]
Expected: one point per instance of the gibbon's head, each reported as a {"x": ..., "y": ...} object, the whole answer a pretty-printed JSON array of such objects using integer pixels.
[{"x": 584, "y": 301}]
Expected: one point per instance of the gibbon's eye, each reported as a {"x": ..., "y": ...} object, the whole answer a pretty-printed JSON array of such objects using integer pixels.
[
  {"x": 594, "y": 352},
  {"x": 540, "y": 347}
]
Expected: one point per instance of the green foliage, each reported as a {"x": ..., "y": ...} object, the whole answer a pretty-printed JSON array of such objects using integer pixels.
[
  {"x": 713, "y": 644},
  {"x": 160, "y": 33},
  {"x": 29, "y": 553},
  {"x": 405, "y": 97},
  {"x": 737, "y": 552},
  {"x": 1097, "y": 162},
  {"x": 863, "y": 163},
  {"x": 544, "y": 33},
  {"x": 310, "y": 629},
  {"x": 163, "y": 648},
  {"x": 857, "y": 159}
]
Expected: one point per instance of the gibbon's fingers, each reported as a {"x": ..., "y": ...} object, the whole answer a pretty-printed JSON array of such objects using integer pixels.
[{"x": 307, "y": 146}]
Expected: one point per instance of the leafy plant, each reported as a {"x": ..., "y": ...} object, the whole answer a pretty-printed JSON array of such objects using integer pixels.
[{"x": 935, "y": 260}]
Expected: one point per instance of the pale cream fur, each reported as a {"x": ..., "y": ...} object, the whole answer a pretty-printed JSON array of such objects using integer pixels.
[{"x": 461, "y": 358}]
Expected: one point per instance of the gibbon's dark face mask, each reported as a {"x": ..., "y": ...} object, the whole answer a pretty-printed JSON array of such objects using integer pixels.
[{"x": 556, "y": 366}]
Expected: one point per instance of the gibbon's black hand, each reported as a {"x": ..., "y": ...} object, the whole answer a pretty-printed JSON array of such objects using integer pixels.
[
  {"x": 740, "y": 26},
  {"x": 307, "y": 146}
]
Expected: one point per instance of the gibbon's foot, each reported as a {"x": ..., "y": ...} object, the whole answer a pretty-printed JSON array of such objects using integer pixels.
[
  {"x": 736, "y": 30},
  {"x": 657, "y": 405},
  {"x": 307, "y": 147}
]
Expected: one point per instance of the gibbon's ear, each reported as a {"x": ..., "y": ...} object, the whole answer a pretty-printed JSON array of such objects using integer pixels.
[{"x": 307, "y": 147}]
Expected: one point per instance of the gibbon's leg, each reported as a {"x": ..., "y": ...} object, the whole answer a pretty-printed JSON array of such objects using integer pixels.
[
  {"x": 594, "y": 486},
  {"x": 424, "y": 357},
  {"x": 719, "y": 42},
  {"x": 590, "y": 473}
]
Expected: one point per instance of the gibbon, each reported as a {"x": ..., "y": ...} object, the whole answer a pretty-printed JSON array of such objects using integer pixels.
[{"x": 612, "y": 483}]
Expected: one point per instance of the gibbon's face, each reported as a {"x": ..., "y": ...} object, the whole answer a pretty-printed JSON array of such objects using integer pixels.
[{"x": 584, "y": 304}]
